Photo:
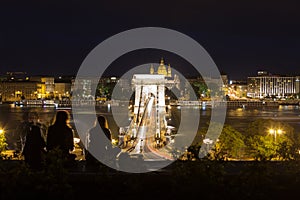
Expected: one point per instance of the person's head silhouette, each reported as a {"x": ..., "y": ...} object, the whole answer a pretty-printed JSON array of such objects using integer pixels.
[
  {"x": 62, "y": 117},
  {"x": 104, "y": 125},
  {"x": 102, "y": 121}
]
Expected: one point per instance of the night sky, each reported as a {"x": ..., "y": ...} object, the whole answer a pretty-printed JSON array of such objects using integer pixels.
[{"x": 53, "y": 38}]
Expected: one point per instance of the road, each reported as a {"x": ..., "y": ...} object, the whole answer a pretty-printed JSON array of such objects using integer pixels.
[{"x": 145, "y": 142}]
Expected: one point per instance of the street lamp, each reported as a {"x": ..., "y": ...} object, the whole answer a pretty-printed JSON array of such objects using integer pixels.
[{"x": 275, "y": 132}]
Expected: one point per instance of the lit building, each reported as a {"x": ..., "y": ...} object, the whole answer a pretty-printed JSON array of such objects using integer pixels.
[
  {"x": 62, "y": 90},
  {"x": 45, "y": 86},
  {"x": 162, "y": 69},
  {"x": 82, "y": 87},
  {"x": 297, "y": 85},
  {"x": 271, "y": 86},
  {"x": 17, "y": 90},
  {"x": 262, "y": 73},
  {"x": 62, "y": 87},
  {"x": 16, "y": 76},
  {"x": 237, "y": 89},
  {"x": 48, "y": 83}
]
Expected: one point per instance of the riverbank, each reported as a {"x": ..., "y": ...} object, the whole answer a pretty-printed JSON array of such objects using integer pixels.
[{"x": 230, "y": 104}]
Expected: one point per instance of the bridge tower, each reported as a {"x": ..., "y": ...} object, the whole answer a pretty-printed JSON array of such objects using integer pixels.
[{"x": 147, "y": 84}]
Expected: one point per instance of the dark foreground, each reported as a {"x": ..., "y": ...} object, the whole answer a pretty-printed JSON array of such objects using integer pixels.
[{"x": 191, "y": 179}]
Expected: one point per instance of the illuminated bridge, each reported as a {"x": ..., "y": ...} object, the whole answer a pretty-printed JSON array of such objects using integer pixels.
[{"x": 148, "y": 131}]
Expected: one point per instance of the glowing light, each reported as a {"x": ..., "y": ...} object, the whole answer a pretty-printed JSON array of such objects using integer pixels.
[
  {"x": 114, "y": 141},
  {"x": 275, "y": 132},
  {"x": 76, "y": 140},
  {"x": 108, "y": 107},
  {"x": 1, "y": 131}
]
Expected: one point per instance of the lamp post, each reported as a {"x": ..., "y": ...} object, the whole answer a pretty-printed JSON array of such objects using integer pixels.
[{"x": 275, "y": 132}]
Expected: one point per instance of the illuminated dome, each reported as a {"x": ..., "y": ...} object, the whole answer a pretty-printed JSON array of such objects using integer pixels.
[{"x": 162, "y": 68}]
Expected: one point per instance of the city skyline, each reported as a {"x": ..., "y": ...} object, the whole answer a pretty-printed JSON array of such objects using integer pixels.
[
  {"x": 54, "y": 38},
  {"x": 25, "y": 76},
  {"x": 228, "y": 137}
]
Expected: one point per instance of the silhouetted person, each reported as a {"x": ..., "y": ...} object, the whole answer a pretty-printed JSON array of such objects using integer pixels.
[
  {"x": 104, "y": 125},
  {"x": 34, "y": 148},
  {"x": 99, "y": 144},
  {"x": 29, "y": 119},
  {"x": 60, "y": 136},
  {"x": 33, "y": 142},
  {"x": 21, "y": 131}
]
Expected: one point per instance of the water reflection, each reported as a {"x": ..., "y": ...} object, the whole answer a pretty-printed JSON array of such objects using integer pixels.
[{"x": 239, "y": 118}]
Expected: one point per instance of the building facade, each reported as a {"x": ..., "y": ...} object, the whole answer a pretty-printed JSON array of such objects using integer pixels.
[
  {"x": 17, "y": 90},
  {"x": 32, "y": 88},
  {"x": 271, "y": 86}
]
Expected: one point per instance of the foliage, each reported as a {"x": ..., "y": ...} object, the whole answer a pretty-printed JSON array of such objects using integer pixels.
[
  {"x": 212, "y": 179},
  {"x": 18, "y": 180},
  {"x": 229, "y": 144},
  {"x": 200, "y": 89},
  {"x": 261, "y": 145},
  {"x": 287, "y": 151},
  {"x": 262, "y": 148},
  {"x": 3, "y": 143},
  {"x": 105, "y": 89}
]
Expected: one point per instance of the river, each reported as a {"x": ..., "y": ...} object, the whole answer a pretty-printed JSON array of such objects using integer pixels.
[{"x": 239, "y": 118}]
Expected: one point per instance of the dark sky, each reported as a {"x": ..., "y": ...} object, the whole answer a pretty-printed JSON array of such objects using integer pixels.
[{"x": 54, "y": 37}]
